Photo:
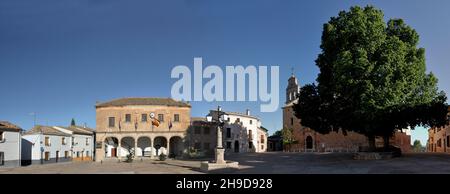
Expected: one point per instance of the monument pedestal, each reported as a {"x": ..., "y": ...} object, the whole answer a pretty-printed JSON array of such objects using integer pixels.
[{"x": 219, "y": 163}]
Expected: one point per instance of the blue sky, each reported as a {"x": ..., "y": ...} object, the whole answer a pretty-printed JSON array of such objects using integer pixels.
[{"x": 58, "y": 57}]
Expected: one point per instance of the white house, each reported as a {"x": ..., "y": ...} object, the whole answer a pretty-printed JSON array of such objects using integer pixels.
[
  {"x": 9, "y": 144},
  {"x": 82, "y": 142},
  {"x": 242, "y": 132},
  {"x": 43, "y": 144}
]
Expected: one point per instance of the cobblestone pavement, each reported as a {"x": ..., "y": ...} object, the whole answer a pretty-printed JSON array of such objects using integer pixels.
[{"x": 257, "y": 163}]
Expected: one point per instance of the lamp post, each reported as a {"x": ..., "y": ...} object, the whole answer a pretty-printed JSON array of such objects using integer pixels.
[{"x": 220, "y": 117}]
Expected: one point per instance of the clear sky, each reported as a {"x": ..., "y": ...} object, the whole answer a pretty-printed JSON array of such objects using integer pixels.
[{"x": 59, "y": 57}]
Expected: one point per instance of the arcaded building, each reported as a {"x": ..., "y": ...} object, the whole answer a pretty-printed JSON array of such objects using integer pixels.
[
  {"x": 309, "y": 140},
  {"x": 141, "y": 127}
]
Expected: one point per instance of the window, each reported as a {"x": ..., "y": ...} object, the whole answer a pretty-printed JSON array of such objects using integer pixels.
[
  {"x": 292, "y": 121},
  {"x": 262, "y": 138},
  {"x": 111, "y": 121},
  {"x": 1, "y": 135},
  {"x": 176, "y": 118},
  {"x": 238, "y": 120},
  {"x": 439, "y": 144},
  {"x": 47, "y": 141},
  {"x": 63, "y": 141},
  {"x": 228, "y": 145},
  {"x": 251, "y": 121},
  {"x": 250, "y": 145},
  {"x": 448, "y": 141},
  {"x": 206, "y": 146},
  {"x": 87, "y": 153},
  {"x": 228, "y": 132},
  {"x": 47, "y": 156},
  {"x": 206, "y": 130},
  {"x": 161, "y": 117},
  {"x": 73, "y": 141},
  {"x": 78, "y": 154},
  {"x": 262, "y": 147},
  {"x": 128, "y": 118},
  {"x": 228, "y": 119},
  {"x": 87, "y": 141},
  {"x": 66, "y": 154},
  {"x": 197, "y": 130},
  {"x": 197, "y": 146},
  {"x": 144, "y": 118},
  {"x": 250, "y": 135}
]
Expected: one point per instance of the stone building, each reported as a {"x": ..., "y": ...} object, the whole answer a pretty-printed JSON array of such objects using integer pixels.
[
  {"x": 309, "y": 140},
  {"x": 202, "y": 136},
  {"x": 439, "y": 139},
  {"x": 141, "y": 127}
]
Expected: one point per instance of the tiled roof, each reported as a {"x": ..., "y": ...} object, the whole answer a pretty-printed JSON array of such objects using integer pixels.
[
  {"x": 79, "y": 130},
  {"x": 7, "y": 126},
  {"x": 46, "y": 130},
  {"x": 143, "y": 101}
]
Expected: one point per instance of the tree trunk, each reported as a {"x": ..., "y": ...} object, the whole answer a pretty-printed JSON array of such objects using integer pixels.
[
  {"x": 386, "y": 142},
  {"x": 371, "y": 139}
]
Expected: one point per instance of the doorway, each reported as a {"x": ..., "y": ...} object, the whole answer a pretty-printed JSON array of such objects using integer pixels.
[
  {"x": 236, "y": 146},
  {"x": 309, "y": 142},
  {"x": 113, "y": 152},
  {"x": 57, "y": 156}
]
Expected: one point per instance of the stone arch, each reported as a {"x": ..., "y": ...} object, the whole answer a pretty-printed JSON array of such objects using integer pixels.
[
  {"x": 144, "y": 146},
  {"x": 176, "y": 146},
  {"x": 160, "y": 145},
  {"x": 127, "y": 144},
  {"x": 111, "y": 146}
]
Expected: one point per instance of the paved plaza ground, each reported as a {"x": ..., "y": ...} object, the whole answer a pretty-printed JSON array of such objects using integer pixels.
[{"x": 258, "y": 163}]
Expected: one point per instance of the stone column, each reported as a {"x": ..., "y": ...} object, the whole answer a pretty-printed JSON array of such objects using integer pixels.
[
  {"x": 119, "y": 148},
  {"x": 219, "y": 137},
  {"x": 168, "y": 145},
  {"x": 151, "y": 145},
  {"x": 135, "y": 147},
  {"x": 220, "y": 158}
]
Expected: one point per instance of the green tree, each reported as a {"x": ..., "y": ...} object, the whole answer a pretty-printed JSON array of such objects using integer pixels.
[
  {"x": 372, "y": 79},
  {"x": 288, "y": 138},
  {"x": 72, "y": 123},
  {"x": 278, "y": 133},
  {"x": 417, "y": 146}
]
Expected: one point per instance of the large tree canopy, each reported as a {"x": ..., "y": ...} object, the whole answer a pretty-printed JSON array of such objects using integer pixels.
[{"x": 372, "y": 78}]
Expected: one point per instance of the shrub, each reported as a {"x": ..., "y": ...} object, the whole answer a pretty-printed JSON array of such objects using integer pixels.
[{"x": 162, "y": 157}]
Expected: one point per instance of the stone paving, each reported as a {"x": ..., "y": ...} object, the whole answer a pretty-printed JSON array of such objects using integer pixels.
[{"x": 258, "y": 163}]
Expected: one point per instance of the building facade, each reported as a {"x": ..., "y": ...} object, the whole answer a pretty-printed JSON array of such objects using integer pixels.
[
  {"x": 309, "y": 140},
  {"x": 202, "y": 137},
  {"x": 243, "y": 132},
  {"x": 141, "y": 127},
  {"x": 44, "y": 144},
  {"x": 81, "y": 141},
  {"x": 10, "y": 146},
  {"x": 439, "y": 139}
]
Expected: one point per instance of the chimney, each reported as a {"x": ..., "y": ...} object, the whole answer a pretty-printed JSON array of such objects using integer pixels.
[{"x": 248, "y": 112}]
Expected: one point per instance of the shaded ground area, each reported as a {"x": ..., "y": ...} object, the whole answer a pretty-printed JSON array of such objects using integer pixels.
[
  {"x": 340, "y": 163},
  {"x": 258, "y": 163}
]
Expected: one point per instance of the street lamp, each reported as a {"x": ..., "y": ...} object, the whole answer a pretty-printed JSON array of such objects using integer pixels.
[{"x": 219, "y": 118}]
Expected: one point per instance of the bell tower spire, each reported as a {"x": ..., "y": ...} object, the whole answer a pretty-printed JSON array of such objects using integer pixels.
[{"x": 293, "y": 88}]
